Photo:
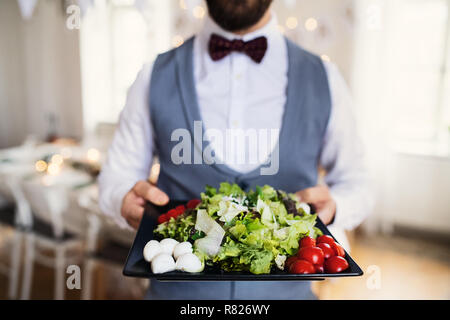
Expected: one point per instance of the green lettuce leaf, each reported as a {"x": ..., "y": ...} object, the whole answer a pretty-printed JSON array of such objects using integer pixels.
[
  {"x": 178, "y": 229},
  {"x": 229, "y": 249},
  {"x": 210, "y": 191},
  {"x": 230, "y": 190},
  {"x": 214, "y": 204},
  {"x": 268, "y": 193},
  {"x": 259, "y": 261},
  {"x": 239, "y": 230},
  {"x": 299, "y": 229}
]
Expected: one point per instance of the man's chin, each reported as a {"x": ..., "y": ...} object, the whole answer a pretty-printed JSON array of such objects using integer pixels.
[{"x": 237, "y": 16}]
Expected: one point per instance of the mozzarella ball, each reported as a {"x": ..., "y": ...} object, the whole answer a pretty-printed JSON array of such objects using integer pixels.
[
  {"x": 182, "y": 248},
  {"x": 167, "y": 245},
  {"x": 162, "y": 263},
  {"x": 189, "y": 262},
  {"x": 151, "y": 249}
]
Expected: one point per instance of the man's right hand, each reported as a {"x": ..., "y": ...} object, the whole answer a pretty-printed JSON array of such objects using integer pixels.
[{"x": 134, "y": 201}]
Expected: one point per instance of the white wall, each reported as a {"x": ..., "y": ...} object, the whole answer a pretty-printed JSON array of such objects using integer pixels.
[
  {"x": 412, "y": 189},
  {"x": 39, "y": 72},
  {"x": 12, "y": 99},
  {"x": 419, "y": 195}
]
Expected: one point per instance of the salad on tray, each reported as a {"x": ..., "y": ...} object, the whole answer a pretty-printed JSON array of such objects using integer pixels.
[{"x": 258, "y": 231}]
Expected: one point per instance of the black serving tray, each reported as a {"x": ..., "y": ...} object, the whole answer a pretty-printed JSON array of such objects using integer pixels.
[{"x": 136, "y": 266}]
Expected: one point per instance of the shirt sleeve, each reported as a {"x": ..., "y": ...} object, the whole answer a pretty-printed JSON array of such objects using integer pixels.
[
  {"x": 130, "y": 155},
  {"x": 343, "y": 159}
]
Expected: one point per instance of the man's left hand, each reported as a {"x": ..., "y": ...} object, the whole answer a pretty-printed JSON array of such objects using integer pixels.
[{"x": 320, "y": 198}]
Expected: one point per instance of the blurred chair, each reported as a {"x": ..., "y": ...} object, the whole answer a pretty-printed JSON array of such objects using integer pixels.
[
  {"x": 15, "y": 213},
  {"x": 49, "y": 204},
  {"x": 105, "y": 247},
  {"x": 17, "y": 220},
  {"x": 111, "y": 252},
  {"x": 106, "y": 242},
  {"x": 12, "y": 241}
]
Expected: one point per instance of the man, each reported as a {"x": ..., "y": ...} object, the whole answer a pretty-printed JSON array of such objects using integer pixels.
[{"x": 239, "y": 72}]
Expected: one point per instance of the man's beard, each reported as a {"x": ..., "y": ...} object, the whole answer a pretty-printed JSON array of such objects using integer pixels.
[{"x": 237, "y": 15}]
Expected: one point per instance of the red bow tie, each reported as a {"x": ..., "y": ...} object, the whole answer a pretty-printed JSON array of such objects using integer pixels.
[{"x": 220, "y": 47}]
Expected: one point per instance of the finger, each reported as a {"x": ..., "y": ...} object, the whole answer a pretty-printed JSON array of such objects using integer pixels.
[
  {"x": 140, "y": 201},
  {"x": 133, "y": 223},
  {"x": 313, "y": 195},
  {"x": 325, "y": 217},
  {"x": 134, "y": 215},
  {"x": 327, "y": 211},
  {"x": 151, "y": 193},
  {"x": 133, "y": 197},
  {"x": 135, "y": 212}
]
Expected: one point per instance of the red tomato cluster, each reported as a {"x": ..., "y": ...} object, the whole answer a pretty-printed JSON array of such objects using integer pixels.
[
  {"x": 192, "y": 204},
  {"x": 323, "y": 255},
  {"x": 174, "y": 213}
]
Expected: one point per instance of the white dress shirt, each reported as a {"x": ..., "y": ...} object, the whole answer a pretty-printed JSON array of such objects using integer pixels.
[{"x": 235, "y": 92}]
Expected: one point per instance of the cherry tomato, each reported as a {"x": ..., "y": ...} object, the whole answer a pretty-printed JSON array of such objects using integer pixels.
[
  {"x": 312, "y": 254},
  {"x": 335, "y": 264},
  {"x": 162, "y": 218},
  {"x": 192, "y": 204},
  {"x": 318, "y": 268},
  {"x": 172, "y": 213},
  {"x": 180, "y": 208},
  {"x": 325, "y": 239},
  {"x": 302, "y": 267},
  {"x": 338, "y": 249},
  {"x": 290, "y": 261},
  {"x": 328, "y": 251},
  {"x": 307, "y": 242}
]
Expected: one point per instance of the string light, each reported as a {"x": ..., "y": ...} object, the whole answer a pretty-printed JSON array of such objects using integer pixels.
[
  {"x": 324, "y": 57},
  {"x": 198, "y": 12},
  {"x": 291, "y": 23},
  {"x": 40, "y": 166},
  {"x": 53, "y": 169},
  {"x": 57, "y": 159},
  {"x": 311, "y": 24},
  {"x": 93, "y": 155},
  {"x": 177, "y": 40}
]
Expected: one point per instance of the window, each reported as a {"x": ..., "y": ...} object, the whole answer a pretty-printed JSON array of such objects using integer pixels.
[
  {"x": 418, "y": 54},
  {"x": 116, "y": 39}
]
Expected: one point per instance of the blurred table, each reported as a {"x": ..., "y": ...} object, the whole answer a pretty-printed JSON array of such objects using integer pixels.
[
  {"x": 57, "y": 183},
  {"x": 43, "y": 177}
]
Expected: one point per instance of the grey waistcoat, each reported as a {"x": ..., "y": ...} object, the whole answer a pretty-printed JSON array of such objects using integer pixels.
[{"x": 173, "y": 105}]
